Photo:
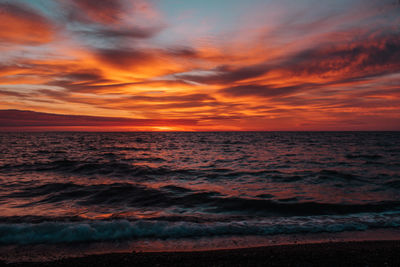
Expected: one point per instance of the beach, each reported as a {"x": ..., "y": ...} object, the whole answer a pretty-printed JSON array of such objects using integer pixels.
[{"x": 368, "y": 253}]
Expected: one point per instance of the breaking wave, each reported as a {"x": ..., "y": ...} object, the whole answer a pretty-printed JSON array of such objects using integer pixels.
[{"x": 91, "y": 231}]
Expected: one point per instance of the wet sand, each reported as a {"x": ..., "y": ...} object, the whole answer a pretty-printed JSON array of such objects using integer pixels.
[{"x": 367, "y": 253}]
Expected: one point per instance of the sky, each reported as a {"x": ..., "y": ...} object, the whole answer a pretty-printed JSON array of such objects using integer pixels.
[{"x": 181, "y": 65}]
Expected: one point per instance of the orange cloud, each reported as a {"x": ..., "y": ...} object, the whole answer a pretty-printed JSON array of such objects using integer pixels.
[
  {"x": 297, "y": 72},
  {"x": 22, "y": 25}
]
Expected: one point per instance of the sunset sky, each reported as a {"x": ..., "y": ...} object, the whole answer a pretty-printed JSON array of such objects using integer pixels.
[{"x": 199, "y": 65}]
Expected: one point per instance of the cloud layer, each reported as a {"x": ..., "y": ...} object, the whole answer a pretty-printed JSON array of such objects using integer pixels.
[{"x": 279, "y": 66}]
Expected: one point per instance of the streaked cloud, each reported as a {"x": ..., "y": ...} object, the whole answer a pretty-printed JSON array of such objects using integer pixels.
[
  {"x": 281, "y": 65},
  {"x": 20, "y": 24}
]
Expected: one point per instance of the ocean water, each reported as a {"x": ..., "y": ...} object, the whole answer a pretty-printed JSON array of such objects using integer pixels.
[{"x": 69, "y": 188}]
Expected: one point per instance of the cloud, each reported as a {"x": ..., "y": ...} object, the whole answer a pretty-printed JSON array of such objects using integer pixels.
[
  {"x": 261, "y": 90},
  {"x": 23, "y": 118},
  {"x": 134, "y": 18},
  {"x": 141, "y": 102},
  {"x": 20, "y": 24},
  {"x": 124, "y": 33},
  {"x": 174, "y": 98},
  {"x": 124, "y": 58},
  {"x": 13, "y": 94},
  {"x": 105, "y": 11},
  {"x": 89, "y": 87},
  {"x": 301, "y": 68},
  {"x": 229, "y": 74},
  {"x": 371, "y": 56},
  {"x": 109, "y": 22},
  {"x": 321, "y": 67},
  {"x": 146, "y": 62},
  {"x": 84, "y": 81}
]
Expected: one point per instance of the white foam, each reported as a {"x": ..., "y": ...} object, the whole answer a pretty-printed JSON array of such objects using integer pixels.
[{"x": 91, "y": 231}]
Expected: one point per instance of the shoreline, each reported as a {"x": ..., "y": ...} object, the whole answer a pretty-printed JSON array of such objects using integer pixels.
[
  {"x": 57, "y": 251},
  {"x": 353, "y": 253},
  {"x": 52, "y": 253}
]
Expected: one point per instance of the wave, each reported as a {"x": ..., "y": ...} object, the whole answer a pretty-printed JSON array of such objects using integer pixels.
[
  {"x": 364, "y": 156},
  {"x": 93, "y": 231},
  {"x": 125, "y": 148},
  {"x": 139, "y": 196},
  {"x": 112, "y": 168}
]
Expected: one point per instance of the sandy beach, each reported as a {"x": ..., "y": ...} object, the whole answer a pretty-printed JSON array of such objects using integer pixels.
[{"x": 369, "y": 253}]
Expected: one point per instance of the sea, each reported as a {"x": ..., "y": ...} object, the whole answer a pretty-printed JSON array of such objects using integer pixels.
[{"x": 194, "y": 190}]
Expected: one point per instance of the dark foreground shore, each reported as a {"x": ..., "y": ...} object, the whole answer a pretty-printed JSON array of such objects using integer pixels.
[{"x": 371, "y": 253}]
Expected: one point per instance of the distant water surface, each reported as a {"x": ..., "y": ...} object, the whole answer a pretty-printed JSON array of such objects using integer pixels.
[{"x": 87, "y": 187}]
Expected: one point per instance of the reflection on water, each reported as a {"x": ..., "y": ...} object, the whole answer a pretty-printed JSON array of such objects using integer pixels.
[{"x": 196, "y": 184}]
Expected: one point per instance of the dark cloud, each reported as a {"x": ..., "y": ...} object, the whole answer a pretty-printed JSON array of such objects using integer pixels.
[
  {"x": 124, "y": 58},
  {"x": 20, "y": 11},
  {"x": 124, "y": 33},
  {"x": 12, "y": 93},
  {"x": 221, "y": 118},
  {"x": 20, "y": 24},
  {"x": 106, "y": 21},
  {"x": 19, "y": 118},
  {"x": 173, "y": 105},
  {"x": 84, "y": 81},
  {"x": 104, "y": 11},
  {"x": 164, "y": 82},
  {"x": 178, "y": 98},
  {"x": 185, "y": 52},
  {"x": 338, "y": 65},
  {"x": 262, "y": 90},
  {"x": 142, "y": 101},
  {"x": 8, "y": 69},
  {"x": 229, "y": 74},
  {"x": 84, "y": 75},
  {"x": 379, "y": 55},
  {"x": 128, "y": 57},
  {"x": 88, "y": 87}
]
